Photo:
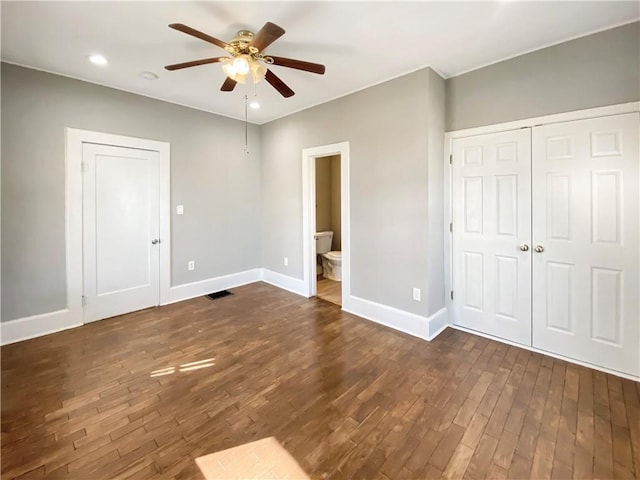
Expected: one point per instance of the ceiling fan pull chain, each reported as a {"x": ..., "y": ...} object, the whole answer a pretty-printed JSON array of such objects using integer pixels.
[{"x": 246, "y": 125}]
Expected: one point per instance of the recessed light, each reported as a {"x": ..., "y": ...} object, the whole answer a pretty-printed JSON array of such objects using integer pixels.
[
  {"x": 98, "y": 59},
  {"x": 255, "y": 105},
  {"x": 149, "y": 76}
]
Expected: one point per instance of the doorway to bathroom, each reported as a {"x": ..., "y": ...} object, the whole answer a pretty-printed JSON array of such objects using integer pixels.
[
  {"x": 328, "y": 230},
  {"x": 325, "y": 172}
]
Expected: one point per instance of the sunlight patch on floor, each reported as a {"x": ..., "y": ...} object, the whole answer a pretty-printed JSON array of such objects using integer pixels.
[
  {"x": 264, "y": 459},
  {"x": 185, "y": 367}
]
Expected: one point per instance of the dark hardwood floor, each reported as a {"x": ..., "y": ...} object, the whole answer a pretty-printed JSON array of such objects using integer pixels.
[{"x": 142, "y": 395}]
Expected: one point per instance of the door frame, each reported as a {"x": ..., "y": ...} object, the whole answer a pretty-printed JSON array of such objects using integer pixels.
[
  {"x": 496, "y": 128},
  {"x": 309, "y": 156},
  {"x": 73, "y": 210}
]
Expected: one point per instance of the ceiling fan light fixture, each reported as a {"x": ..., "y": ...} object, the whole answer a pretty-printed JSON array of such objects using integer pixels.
[
  {"x": 229, "y": 69},
  {"x": 241, "y": 64},
  {"x": 258, "y": 71},
  {"x": 240, "y": 67}
]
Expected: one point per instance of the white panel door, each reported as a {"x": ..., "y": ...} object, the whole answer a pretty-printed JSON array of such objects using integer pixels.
[
  {"x": 491, "y": 222},
  {"x": 585, "y": 216},
  {"x": 120, "y": 230}
]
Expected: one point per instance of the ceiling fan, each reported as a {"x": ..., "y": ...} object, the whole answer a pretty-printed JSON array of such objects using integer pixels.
[{"x": 247, "y": 60}]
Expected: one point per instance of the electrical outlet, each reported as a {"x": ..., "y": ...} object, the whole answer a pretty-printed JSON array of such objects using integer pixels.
[
  {"x": 191, "y": 265},
  {"x": 180, "y": 210},
  {"x": 416, "y": 294},
  {"x": 286, "y": 261}
]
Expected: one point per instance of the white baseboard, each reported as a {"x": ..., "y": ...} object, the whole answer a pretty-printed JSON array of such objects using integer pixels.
[
  {"x": 426, "y": 328},
  {"x": 438, "y": 322},
  {"x": 294, "y": 285},
  {"x": 37, "y": 326},
  {"x": 210, "y": 285}
]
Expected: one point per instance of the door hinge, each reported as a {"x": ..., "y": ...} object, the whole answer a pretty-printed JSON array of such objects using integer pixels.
[
  {"x": 84, "y": 300},
  {"x": 451, "y": 159},
  {"x": 451, "y": 227},
  {"x": 83, "y": 167},
  {"x": 451, "y": 294}
]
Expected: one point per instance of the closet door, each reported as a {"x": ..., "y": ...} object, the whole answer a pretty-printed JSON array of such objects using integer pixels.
[
  {"x": 491, "y": 234},
  {"x": 585, "y": 239}
]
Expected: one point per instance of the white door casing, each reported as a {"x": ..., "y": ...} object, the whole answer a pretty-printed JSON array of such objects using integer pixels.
[
  {"x": 309, "y": 156},
  {"x": 491, "y": 211},
  {"x": 121, "y": 231},
  {"x": 586, "y": 281}
]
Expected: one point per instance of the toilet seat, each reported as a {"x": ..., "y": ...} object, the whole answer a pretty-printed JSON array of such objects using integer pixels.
[{"x": 335, "y": 255}]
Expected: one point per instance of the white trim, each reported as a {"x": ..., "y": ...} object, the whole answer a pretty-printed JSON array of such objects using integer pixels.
[
  {"x": 211, "y": 285},
  {"x": 438, "y": 322},
  {"x": 294, "y": 285},
  {"x": 545, "y": 120},
  {"x": 73, "y": 211},
  {"x": 549, "y": 354},
  {"x": 309, "y": 156},
  {"x": 37, "y": 326},
  {"x": 73, "y": 222},
  {"x": 426, "y": 328}
]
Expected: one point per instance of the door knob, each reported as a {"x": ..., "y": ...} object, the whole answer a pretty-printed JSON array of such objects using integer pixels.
[
  {"x": 154, "y": 241},
  {"x": 524, "y": 247},
  {"x": 539, "y": 248}
]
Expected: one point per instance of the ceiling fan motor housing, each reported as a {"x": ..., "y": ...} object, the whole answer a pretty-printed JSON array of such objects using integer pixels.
[{"x": 240, "y": 45}]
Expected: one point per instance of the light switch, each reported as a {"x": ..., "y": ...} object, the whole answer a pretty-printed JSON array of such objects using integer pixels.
[{"x": 180, "y": 210}]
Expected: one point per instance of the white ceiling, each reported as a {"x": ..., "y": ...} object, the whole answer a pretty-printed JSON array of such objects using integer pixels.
[{"x": 361, "y": 43}]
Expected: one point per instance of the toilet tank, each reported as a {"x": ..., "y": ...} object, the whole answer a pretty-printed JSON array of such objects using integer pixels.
[{"x": 323, "y": 242}]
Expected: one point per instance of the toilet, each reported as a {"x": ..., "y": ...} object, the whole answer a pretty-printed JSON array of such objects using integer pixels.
[{"x": 331, "y": 260}]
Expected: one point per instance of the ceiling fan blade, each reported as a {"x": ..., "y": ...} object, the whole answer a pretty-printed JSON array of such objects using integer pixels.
[
  {"x": 298, "y": 65},
  {"x": 202, "y": 36},
  {"x": 266, "y": 36},
  {"x": 228, "y": 85},
  {"x": 194, "y": 63},
  {"x": 278, "y": 84}
]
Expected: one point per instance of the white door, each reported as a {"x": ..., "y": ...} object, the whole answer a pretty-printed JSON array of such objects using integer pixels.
[
  {"x": 585, "y": 216},
  {"x": 120, "y": 230},
  {"x": 491, "y": 234}
]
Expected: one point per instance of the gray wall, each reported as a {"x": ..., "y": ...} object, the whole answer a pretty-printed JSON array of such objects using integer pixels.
[
  {"x": 435, "y": 205},
  {"x": 592, "y": 71},
  {"x": 216, "y": 182},
  {"x": 386, "y": 126}
]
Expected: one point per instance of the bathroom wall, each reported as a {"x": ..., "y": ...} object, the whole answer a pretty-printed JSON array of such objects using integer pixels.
[
  {"x": 335, "y": 203},
  {"x": 328, "y": 193},
  {"x": 323, "y": 194}
]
